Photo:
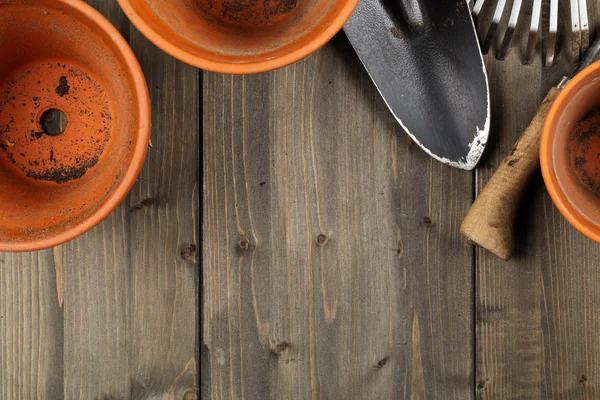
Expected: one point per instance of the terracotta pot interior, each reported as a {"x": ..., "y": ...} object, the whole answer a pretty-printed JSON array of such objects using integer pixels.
[
  {"x": 67, "y": 118},
  {"x": 574, "y": 157},
  {"x": 238, "y": 31}
]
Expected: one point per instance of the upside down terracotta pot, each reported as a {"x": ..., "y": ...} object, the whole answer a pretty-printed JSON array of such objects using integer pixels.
[
  {"x": 74, "y": 121},
  {"x": 239, "y": 36}
]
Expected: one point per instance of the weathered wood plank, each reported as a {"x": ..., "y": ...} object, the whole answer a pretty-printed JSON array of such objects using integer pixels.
[
  {"x": 333, "y": 265},
  {"x": 31, "y": 328},
  {"x": 164, "y": 235},
  {"x": 96, "y": 311},
  {"x": 536, "y": 329},
  {"x": 114, "y": 313}
]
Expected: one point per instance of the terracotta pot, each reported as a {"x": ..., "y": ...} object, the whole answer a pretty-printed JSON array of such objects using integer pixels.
[
  {"x": 239, "y": 36},
  {"x": 570, "y": 152},
  {"x": 74, "y": 121}
]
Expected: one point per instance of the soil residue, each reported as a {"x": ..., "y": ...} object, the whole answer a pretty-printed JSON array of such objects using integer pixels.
[
  {"x": 397, "y": 33},
  {"x": 250, "y": 13},
  {"x": 584, "y": 151},
  {"x": 62, "y": 174},
  {"x": 283, "y": 6},
  {"x": 38, "y": 154},
  {"x": 63, "y": 86}
]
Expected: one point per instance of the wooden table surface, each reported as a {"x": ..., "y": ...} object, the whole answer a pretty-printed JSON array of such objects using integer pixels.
[{"x": 332, "y": 264}]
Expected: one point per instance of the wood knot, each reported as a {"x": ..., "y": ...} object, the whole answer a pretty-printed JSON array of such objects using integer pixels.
[
  {"x": 381, "y": 363},
  {"x": 220, "y": 355},
  {"x": 322, "y": 239},
  {"x": 513, "y": 162},
  {"x": 427, "y": 221},
  {"x": 188, "y": 252},
  {"x": 243, "y": 242},
  {"x": 481, "y": 384},
  {"x": 278, "y": 348},
  {"x": 143, "y": 204},
  {"x": 583, "y": 380},
  {"x": 190, "y": 394}
]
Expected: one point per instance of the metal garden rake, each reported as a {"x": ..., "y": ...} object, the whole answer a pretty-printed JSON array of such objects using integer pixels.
[{"x": 580, "y": 38}]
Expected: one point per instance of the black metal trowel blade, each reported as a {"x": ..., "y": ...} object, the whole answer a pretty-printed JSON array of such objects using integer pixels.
[{"x": 424, "y": 58}]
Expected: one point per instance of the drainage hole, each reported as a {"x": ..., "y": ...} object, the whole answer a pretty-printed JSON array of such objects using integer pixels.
[{"x": 53, "y": 121}]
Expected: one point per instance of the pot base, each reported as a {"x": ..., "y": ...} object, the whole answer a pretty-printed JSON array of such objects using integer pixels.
[
  {"x": 63, "y": 62},
  {"x": 25, "y": 147}
]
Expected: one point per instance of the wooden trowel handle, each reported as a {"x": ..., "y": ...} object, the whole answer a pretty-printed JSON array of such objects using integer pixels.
[{"x": 490, "y": 223}]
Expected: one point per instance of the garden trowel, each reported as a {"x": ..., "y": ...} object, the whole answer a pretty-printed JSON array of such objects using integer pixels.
[{"x": 424, "y": 58}]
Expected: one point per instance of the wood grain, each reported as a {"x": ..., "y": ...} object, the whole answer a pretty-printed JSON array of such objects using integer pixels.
[
  {"x": 164, "y": 326},
  {"x": 536, "y": 325},
  {"x": 114, "y": 313},
  {"x": 332, "y": 260},
  {"x": 31, "y": 328}
]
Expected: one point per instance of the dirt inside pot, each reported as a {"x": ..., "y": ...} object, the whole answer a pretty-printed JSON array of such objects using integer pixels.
[
  {"x": 252, "y": 14},
  {"x": 584, "y": 151}
]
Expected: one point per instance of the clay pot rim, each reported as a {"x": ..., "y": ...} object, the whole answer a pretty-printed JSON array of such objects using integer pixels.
[
  {"x": 141, "y": 95},
  {"x": 247, "y": 68},
  {"x": 558, "y": 197}
]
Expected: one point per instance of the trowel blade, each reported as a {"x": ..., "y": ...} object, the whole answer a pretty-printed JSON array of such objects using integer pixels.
[{"x": 431, "y": 75}]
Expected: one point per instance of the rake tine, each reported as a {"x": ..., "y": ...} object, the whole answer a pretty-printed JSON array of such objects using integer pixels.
[
  {"x": 584, "y": 26},
  {"x": 477, "y": 7},
  {"x": 551, "y": 41},
  {"x": 510, "y": 30},
  {"x": 491, "y": 34},
  {"x": 533, "y": 31},
  {"x": 575, "y": 32}
]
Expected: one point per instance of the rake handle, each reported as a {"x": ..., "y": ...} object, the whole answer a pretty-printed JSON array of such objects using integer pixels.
[{"x": 490, "y": 223}]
